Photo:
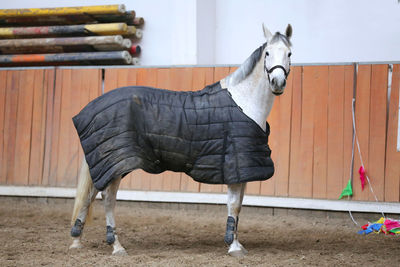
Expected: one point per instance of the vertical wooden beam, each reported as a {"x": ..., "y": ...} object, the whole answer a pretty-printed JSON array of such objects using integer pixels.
[
  {"x": 295, "y": 136},
  {"x": 50, "y": 80},
  {"x": 335, "y": 131},
  {"x": 63, "y": 144},
  {"x": 392, "y": 168},
  {"x": 284, "y": 133},
  {"x": 349, "y": 72},
  {"x": 362, "y": 115},
  {"x": 3, "y": 87},
  {"x": 10, "y": 125},
  {"x": 377, "y": 130},
  {"x": 320, "y": 88},
  {"x": 303, "y": 183},
  {"x": 37, "y": 143}
]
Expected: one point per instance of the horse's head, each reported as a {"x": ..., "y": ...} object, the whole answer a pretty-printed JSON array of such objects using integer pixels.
[{"x": 277, "y": 58}]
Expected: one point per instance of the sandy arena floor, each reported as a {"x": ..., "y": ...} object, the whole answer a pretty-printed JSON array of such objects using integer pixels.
[{"x": 35, "y": 232}]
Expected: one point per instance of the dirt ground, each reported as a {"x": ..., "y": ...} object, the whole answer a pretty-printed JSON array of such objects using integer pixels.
[{"x": 35, "y": 232}]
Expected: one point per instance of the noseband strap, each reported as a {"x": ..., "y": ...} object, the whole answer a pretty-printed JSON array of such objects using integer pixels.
[{"x": 269, "y": 71}]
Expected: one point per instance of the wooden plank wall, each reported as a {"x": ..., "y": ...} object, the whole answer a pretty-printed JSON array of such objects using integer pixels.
[{"x": 311, "y": 128}]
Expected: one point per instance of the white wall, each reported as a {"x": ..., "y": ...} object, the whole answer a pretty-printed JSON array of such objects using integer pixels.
[
  {"x": 169, "y": 33},
  {"x": 323, "y": 31},
  {"x": 227, "y": 31}
]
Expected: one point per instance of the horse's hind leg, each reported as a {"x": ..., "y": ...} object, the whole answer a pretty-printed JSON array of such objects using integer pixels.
[
  {"x": 85, "y": 194},
  {"x": 235, "y": 199},
  {"x": 109, "y": 197},
  {"x": 77, "y": 228}
]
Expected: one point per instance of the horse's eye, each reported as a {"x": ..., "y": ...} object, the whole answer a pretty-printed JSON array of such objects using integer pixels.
[
  {"x": 290, "y": 53},
  {"x": 267, "y": 54}
]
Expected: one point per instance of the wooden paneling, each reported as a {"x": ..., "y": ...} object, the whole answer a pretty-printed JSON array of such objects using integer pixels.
[
  {"x": 22, "y": 124},
  {"x": 335, "y": 131},
  {"x": 38, "y": 137},
  {"x": 303, "y": 183},
  {"x": 349, "y": 72},
  {"x": 295, "y": 140},
  {"x": 320, "y": 88},
  {"x": 23, "y": 129},
  {"x": 3, "y": 87},
  {"x": 311, "y": 128},
  {"x": 10, "y": 126},
  {"x": 284, "y": 132},
  {"x": 392, "y": 168},
  {"x": 49, "y": 102},
  {"x": 362, "y": 118},
  {"x": 74, "y": 88},
  {"x": 377, "y": 130}
]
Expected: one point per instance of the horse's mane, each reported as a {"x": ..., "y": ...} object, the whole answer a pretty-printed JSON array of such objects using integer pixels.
[{"x": 247, "y": 67}]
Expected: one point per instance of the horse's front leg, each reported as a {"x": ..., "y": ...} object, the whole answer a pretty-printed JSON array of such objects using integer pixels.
[
  {"x": 235, "y": 199},
  {"x": 109, "y": 196}
]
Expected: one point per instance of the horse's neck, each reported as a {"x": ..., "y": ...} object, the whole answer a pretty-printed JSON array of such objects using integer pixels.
[{"x": 253, "y": 96}]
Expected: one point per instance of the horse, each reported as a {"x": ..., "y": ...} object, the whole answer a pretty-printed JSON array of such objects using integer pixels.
[{"x": 248, "y": 93}]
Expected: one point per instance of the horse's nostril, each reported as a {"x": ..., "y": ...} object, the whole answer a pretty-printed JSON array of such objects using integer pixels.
[
  {"x": 284, "y": 83},
  {"x": 273, "y": 81}
]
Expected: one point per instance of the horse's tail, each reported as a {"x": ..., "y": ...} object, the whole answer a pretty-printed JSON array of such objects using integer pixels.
[{"x": 84, "y": 189}]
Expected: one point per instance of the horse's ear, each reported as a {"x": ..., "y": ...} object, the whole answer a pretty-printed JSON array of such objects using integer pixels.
[
  {"x": 289, "y": 31},
  {"x": 267, "y": 33}
]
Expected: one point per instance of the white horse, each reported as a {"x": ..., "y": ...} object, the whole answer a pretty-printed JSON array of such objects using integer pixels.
[{"x": 253, "y": 87}]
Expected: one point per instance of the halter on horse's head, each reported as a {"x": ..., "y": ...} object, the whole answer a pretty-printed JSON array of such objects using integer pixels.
[{"x": 276, "y": 52}]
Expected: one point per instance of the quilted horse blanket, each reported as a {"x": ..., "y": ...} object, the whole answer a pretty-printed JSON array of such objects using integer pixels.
[{"x": 202, "y": 133}]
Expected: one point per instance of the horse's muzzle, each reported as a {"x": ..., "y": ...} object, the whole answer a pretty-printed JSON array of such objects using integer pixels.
[{"x": 277, "y": 88}]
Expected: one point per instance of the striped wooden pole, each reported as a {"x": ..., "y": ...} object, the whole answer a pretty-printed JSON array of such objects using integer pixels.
[
  {"x": 88, "y": 29},
  {"x": 138, "y": 21},
  {"x": 126, "y": 43},
  {"x": 114, "y": 57},
  {"x": 69, "y": 44},
  {"x": 134, "y": 32},
  {"x": 127, "y": 17},
  {"x": 135, "y": 61},
  {"x": 62, "y": 11}
]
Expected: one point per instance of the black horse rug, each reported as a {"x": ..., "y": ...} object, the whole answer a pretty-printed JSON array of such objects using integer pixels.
[{"x": 203, "y": 133}]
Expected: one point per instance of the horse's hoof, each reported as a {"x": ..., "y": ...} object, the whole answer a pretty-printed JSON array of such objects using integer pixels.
[
  {"x": 237, "y": 253},
  {"x": 120, "y": 252},
  {"x": 237, "y": 250},
  {"x": 76, "y": 244}
]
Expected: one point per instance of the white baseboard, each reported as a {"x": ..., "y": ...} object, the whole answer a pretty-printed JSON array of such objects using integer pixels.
[{"x": 213, "y": 198}]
